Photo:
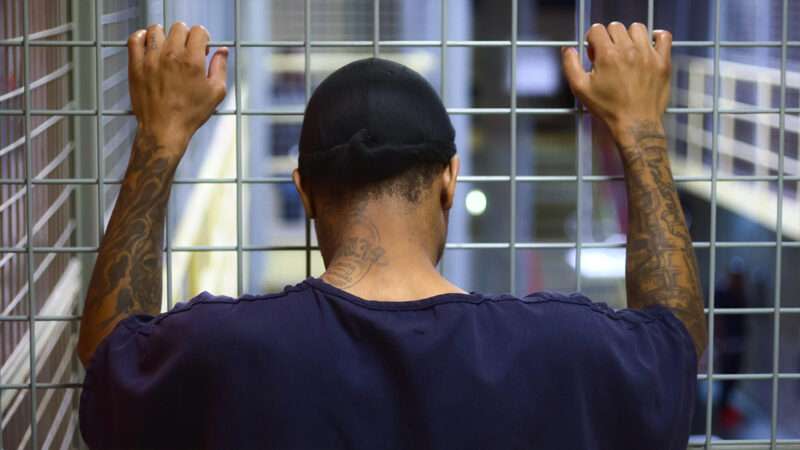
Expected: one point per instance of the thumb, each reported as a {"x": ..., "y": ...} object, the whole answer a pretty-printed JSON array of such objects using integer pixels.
[{"x": 577, "y": 78}]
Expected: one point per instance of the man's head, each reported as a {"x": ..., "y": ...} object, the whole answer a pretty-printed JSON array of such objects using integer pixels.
[{"x": 376, "y": 133}]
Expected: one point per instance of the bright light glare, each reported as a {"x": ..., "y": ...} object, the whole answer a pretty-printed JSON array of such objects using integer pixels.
[
  {"x": 475, "y": 202},
  {"x": 600, "y": 262}
]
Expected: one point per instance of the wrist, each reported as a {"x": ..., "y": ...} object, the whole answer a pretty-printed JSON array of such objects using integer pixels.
[
  {"x": 629, "y": 132},
  {"x": 165, "y": 138},
  {"x": 152, "y": 146}
]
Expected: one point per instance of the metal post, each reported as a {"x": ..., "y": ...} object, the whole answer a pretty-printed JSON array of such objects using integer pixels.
[
  {"x": 512, "y": 229},
  {"x": 442, "y": 77},
  {"x": 579, "y": 160},
  {"x": 26, "y": 75},
  {"x": 776, "y": 330},
  {"x": 713, "y": 232},
  {"x": 307, "y": 80},
  {"x": 101, "y": 166},
  {"x": 376, "y": 27},
  {"x": 167, "y": 226},
  {"x": 237, "y": 79}
]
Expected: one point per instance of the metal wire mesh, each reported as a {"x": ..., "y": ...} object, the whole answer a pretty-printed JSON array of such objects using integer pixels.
[{"x": 112, "y": 128}]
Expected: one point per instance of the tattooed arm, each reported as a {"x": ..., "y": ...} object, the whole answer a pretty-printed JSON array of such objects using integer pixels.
[
  {"x": 628, "y": 89},
  {"x": 661, "y": 268},
  {"x": 171, "y": 97}
]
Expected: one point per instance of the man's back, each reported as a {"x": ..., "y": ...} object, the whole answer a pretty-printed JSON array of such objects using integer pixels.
[{"x": 316, "y": 367}]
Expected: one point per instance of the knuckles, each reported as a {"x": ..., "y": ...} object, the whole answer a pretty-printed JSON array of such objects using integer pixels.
[
  {"x": 135, "y": 37},
  {"x": 199, "y": 29},
  {"x": 616, "y": 26},
  {"x": 179, "y": 25},
  {"x": 638, "y": 26}
]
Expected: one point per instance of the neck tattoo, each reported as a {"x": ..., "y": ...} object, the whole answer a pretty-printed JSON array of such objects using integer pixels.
[{"x": 357, "y": 254}]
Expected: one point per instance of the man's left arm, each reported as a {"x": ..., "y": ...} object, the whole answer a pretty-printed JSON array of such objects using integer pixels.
[{"x": 172, "y": 96}]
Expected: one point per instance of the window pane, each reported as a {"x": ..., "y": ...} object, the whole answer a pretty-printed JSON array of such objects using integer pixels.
[
  {"x": 788, "y": 412},
  {"x": 605, "y": 12},
  {"x": 478, "y": 20},
  {"x": 744, "y": 144},
  {"x": 546, "y": 144},
  {"x": 275, "y": 78},
  {"x": 689, "y": 142},
  {"x": 272, "y": 20},
  {"x": 751, "y": 220},
  {"x": 217, "y": 16},
  {"x": 474, "y": 87},
  {"x": 410, "y": 20},
  {"x": 546, "y": 211},
  {"x": 540, "y": 82},
  {"x": 744, "y": 278},
  {"x": 547, "y": 20},
  {"x": 692, "y": 77},
  {"x": 469, "y": 269},
  {"x": 351, "y": 20},
  {"x": 751, "y": 20},
  {"x": 486, "y": 205},
  {"x": 483, "y": 143},
  {"x": 687, "y": 21},
  {"x": 545, "y": 269}
]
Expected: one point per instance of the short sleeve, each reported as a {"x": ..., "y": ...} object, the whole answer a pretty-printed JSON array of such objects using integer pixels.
[
  {"x": 114, "y": 377},
  {"x": 141, "y": 381},
  {"x": 639, "y": 372}
]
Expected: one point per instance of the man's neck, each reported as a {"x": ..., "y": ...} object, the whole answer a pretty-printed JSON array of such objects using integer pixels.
[{"x": 385, "y": 257}]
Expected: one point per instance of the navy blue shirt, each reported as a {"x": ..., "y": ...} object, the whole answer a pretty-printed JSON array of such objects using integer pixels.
[{"x": 314, "y": 367}]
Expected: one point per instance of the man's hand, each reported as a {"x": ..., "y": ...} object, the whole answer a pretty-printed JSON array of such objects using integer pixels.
[
  {"x": 171, "y": 93},
  {"x": 172, "y": 97},
  {"x": 628, "y": 88},
  {"x": 629, "y": 80}
]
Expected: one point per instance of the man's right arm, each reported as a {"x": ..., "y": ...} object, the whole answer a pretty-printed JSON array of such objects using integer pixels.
[
  {"x": 661, "y": 268},
  {"x": 628, "y": 89}
]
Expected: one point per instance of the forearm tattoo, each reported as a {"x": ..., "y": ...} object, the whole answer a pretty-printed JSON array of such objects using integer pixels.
[
  {"x": 661, "y": 268},
  {"x": 127, "y": 276}
]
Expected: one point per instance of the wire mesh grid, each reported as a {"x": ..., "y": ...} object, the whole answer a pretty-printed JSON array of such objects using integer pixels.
[{"x": 26, "y": 41}]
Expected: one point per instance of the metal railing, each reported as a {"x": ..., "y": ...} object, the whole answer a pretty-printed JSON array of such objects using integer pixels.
[{"x": 40, "y": 374}]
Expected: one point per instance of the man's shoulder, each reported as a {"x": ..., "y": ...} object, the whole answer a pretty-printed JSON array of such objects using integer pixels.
[
  {"x": 580, "y": 304},
  {"x": 218, "y": 315},
  {"x": 208, "y": 301}
]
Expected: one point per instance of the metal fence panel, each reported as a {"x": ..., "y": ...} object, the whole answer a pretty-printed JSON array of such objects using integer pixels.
[{"x": 66, "y": 127}]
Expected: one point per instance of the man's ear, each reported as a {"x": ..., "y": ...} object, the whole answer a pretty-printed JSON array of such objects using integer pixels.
[
  {"x": 449, "y": 177},
  {"x": 304, "y": 195}
]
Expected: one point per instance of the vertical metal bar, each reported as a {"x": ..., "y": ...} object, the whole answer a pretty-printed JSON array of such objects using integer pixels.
[
  {"x": 376, "y": 27},
  {"x": 650, "y": 19},
  {"x": 101, "y": 163},
  {"x": 443, "y": 55},
  {"x": 307, "y": 78},
  {"x": 442, "y": 82},
  {"x": 26, "y": 83},
  {"x": 776, "y": 330},
  {"x": 167, "y": 227},
  {"x": 237, "y": 79},
  {"x": 512, "y": 261},
  {"x": 712, "y": 250},
  {"x": 579, "y": 160}
]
